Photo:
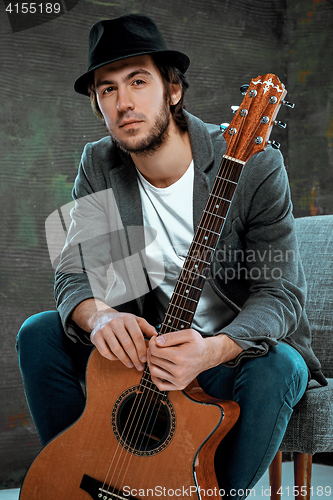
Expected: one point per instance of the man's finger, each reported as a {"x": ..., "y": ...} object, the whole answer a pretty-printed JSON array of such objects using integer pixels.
[
  {"x": 103, "y": 347},
  {"x": 146, "y": 328},
  {"x": 173, "y": 338}
]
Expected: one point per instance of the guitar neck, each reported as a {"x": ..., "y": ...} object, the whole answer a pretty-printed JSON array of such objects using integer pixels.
[
  {"x": 196, "y": 267},
  {"x": 246, "y": 136}
]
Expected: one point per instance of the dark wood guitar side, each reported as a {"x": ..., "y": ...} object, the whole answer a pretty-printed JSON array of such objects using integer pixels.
[
  {"x": 134, "y": 441},
  {"x": 86, "y": 450}
]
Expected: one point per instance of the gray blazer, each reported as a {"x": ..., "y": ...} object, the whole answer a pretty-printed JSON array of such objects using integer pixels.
[{"x": 256, "y": 269}]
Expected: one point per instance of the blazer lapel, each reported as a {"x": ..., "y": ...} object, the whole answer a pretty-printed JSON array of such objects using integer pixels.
[
  {"x": 207, "y": 160},
  {"x": 126, "y": 191}
]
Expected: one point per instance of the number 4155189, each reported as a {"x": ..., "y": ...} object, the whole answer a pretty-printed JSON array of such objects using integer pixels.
[
  {"x": 295, "y": 491},
  {"x": 33, "y": 8}
]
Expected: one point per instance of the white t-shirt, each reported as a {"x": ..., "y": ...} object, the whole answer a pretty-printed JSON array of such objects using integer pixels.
[{"x": 170, "y": 212}]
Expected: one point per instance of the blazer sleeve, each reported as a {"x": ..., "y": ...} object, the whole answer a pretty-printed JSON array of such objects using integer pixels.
[
  {"x": 82, "y": 272},
  {"x": 268, "y": 264}
]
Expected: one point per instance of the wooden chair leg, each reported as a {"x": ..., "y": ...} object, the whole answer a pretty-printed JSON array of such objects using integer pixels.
[
  {"x": 302, "y": 473},
  {"x": 275, "y": 470}
]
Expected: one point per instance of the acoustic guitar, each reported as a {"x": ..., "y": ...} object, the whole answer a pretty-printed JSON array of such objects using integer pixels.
[{"x": 133, "y": 440}]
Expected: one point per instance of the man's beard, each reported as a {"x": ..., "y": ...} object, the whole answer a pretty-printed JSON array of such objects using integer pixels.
[{"x": 157, "y": 135}]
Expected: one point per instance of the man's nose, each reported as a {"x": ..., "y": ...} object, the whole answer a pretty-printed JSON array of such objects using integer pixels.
[{"x": 125, "y": 100}]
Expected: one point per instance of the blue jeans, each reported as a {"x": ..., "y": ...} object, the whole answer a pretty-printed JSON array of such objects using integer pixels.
[{"x": 266, "y": 388}]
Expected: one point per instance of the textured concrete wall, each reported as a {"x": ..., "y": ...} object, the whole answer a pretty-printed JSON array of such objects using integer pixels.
[{"x": 44, "y": 126}]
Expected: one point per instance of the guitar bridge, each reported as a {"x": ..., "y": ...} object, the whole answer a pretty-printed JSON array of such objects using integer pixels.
[{"x": 101, "y": 491}]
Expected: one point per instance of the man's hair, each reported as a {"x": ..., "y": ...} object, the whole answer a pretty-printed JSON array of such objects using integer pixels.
[{"x": 170, "y": 75}]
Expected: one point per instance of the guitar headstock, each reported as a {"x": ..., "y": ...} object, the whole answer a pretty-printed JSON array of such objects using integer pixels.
[{"x": 249, "y": 131}]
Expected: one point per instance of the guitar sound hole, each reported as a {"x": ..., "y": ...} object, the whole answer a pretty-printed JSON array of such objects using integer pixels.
[{"x": 143, "y": 424}]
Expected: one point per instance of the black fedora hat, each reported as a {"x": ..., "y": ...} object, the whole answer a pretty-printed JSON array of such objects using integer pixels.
[{"x": 127, "y": 36}]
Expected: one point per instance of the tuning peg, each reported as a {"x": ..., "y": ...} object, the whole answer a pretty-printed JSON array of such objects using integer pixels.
[
  {"x": 274, "y": 144},
  {"x": 244, "y": 88},
  {"x": 234, "y": 109},
  {"x": 280, "y": 124},
  {"x": 224, "y": 126},
  {"x": 289, "y": 104}
]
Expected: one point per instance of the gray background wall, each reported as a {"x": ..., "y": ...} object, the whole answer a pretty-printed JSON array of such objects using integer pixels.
[{"x": 44, "y": 126}]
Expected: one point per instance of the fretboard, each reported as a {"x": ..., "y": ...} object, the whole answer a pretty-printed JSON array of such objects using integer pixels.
[
  {"x": 246, "y": 136},
  {"x": 196, "y": 267}
]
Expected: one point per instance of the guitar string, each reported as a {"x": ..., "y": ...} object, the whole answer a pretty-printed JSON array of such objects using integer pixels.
[
  {"x": 250, "y": 140},
  {"x": 145, "y": 434},
  {"x": 179, "y": 303},
  {"x": 128, "y": 421},
  {"x": 156, "y": 414},
  {"x": 189, "y": 281},
  {"x": 156, "y": 410},
  {"x": 115, "y": 453},
  {"x": 199, "y": 236},
  {"x": 226, "y": 185},
  {"x": 123, "y": 452},
  {"x": 249, "y": 144},
  {"x": 163, "y": 398},
  {"x": 156, "y": 387},
  {"x": 135, "y": 445}
]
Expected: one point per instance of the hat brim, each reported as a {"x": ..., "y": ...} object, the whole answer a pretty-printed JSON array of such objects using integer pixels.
[{"x": 173, "y": 57}]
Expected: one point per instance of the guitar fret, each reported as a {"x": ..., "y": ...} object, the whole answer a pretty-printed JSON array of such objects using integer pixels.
[
  {"x": 176, "y": 328},
  {"x": 220, "y": 198},
  {"x": 185, "y": 297},
  {"x": 147, "y": 384},
  {"x": 154, "y": 390},
  {"x": 196, "y": 259},
  {"x": 203, "y": 245},
  {"x": 196, "y": 274},
  {"x": 228, "y": 180},
  {"x": 180, "y": 307},
  {"x": 188, "y": 285},
  {"x": 146, "y": 379},
  {"x": 195, "y": 268},
  {"x": 171, "y": 328},
  {"x": 215, "y": 215},
  {"x": 209, "y": 230},
  {"x": 178, "y": 319}
]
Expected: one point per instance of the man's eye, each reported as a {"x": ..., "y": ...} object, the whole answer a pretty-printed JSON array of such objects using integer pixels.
[
  {"x": 108, "y": 90},
  {"x": 138, "y": 83}
]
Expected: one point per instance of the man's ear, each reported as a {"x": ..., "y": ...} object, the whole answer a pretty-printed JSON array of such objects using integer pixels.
[{"x": 176, "y": 93}]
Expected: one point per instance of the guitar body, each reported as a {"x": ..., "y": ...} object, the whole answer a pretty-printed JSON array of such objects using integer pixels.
[{"x": 91, "y": 450}]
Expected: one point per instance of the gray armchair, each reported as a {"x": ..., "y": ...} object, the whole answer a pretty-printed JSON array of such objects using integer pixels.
[{"x": 310, "y": 429}]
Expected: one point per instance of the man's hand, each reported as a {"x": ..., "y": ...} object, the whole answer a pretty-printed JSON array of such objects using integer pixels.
[
  {"x": 121, "y": 336},
  {"x": 176, "y": 358},
  {"x": 117, "y": 336}
]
